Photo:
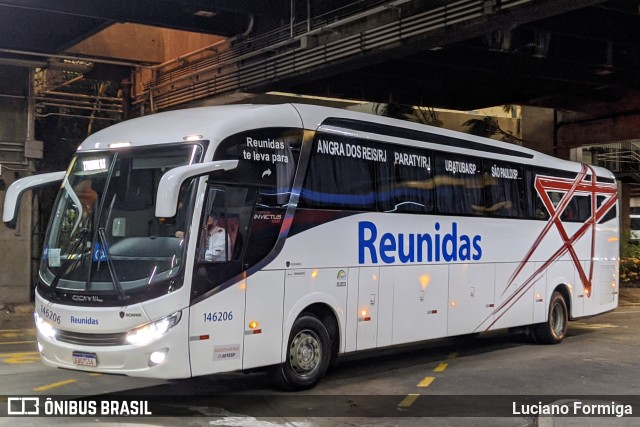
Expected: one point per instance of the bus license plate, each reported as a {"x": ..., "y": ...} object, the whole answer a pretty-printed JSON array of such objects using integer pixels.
[{"x": 84, "y": 359}]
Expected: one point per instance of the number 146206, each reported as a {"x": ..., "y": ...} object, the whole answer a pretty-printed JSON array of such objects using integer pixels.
[{"x": 218, "y": 316}]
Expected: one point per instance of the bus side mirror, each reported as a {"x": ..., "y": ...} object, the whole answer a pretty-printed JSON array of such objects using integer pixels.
[
  {"x": 16, "y": 190},
  {"x": 172, "y": 180}
]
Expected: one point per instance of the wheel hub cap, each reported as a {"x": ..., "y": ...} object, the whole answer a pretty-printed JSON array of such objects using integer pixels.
[{"x": 305, "y": 352}]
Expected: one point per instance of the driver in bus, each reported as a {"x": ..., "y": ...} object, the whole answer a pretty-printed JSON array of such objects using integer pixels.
[{"x": 87, "y": 196}]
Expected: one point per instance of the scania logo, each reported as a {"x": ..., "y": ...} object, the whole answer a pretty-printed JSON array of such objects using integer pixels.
[{"x": 123, "y": 314}]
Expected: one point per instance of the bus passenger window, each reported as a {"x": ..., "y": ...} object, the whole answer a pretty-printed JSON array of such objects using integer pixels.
[
  {"x": 504, "y": 190},
  {"x": 458, "y": 185},
  {"x": 578, "y": 209},
  {"x": 336, "y": 180},
  {"x": 405, "y": 181}
]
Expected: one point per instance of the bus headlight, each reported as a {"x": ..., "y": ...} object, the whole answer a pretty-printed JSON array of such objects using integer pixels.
[
  {"x": 44, "y": 328},
  {"x": 152, "y": 331}
]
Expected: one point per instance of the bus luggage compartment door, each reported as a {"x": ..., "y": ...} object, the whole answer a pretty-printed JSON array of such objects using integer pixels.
[
  {"x": 471, "y": 298},
  {"x": 263, "y": 319},
  {"x": 367, "y": 314}
]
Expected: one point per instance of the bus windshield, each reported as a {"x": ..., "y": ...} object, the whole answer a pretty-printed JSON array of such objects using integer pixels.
[{"x": 104, "y": 238}]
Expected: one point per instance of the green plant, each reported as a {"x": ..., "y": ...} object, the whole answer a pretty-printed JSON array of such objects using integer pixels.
[
  {"x": 630, "y": 271},
  {"x": 629, "y": 249},
  {"x": 424, "y": 115},
  {"x": 488, "y": 127}
]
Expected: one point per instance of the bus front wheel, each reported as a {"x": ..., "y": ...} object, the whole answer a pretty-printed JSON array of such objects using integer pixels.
[
  {"x": 555, "y": 328},
  {"x": 308, "y": 355}
]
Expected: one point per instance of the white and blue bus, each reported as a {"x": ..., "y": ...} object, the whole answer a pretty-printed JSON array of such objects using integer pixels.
[{"x": 340, "y": 232}]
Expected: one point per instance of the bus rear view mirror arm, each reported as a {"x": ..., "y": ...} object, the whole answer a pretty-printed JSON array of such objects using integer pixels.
[
  {"x": 16, "y": 190},
  {"x": 170, "y": 183}
]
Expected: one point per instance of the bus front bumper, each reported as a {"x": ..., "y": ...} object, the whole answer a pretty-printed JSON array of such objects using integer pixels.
[{"x": 166, "y": 357}]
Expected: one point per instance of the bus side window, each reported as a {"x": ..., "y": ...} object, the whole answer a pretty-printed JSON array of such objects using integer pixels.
[
  {"x": 406, "y": 183},
  {"x": 504, "y": 190},
  {"x": 338, "y": 181},
  {"x": 458, "y": 185},
  {"x": 578, "y": 209},
  {"x": 537, "y": 210}
]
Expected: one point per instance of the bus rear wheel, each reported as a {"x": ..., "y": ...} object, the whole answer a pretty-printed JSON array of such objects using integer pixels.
[
  {"x": 308, "y": 355},
  {"x": 554, "y": 329}
]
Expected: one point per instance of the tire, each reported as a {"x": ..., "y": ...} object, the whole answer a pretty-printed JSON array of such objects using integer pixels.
[
  {"x": 555, "y": 328},
  {"x": 308, "y": 355}
]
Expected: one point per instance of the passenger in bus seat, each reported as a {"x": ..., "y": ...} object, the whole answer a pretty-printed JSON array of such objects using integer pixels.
[{"x": 218, "y": 243}]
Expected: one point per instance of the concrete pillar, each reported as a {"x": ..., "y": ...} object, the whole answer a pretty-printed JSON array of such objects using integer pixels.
[{"x": 15, "y": 245}]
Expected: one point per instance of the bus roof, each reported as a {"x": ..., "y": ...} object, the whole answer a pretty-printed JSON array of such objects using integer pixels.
[
  {"x": 217, "y": 122},
  {"x": 210, "y": 123}
]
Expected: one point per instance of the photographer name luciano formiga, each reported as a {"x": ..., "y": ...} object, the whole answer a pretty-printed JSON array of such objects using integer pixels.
[{"x": 574, "y": 408}]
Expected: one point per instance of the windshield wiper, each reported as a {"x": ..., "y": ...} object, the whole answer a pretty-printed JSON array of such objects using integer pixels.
[
  {"x": 70, "y": 262},
  {"x": 112, "y": 271},
  {"x": 105, "y": 250}
]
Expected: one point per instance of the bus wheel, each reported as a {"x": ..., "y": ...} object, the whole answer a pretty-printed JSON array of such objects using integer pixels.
[
  {"x": 308, "y": 355},
  {"x": 555, "y": 328}
]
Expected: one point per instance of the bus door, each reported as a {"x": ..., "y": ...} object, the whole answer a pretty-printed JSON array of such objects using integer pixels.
[
  {"x": 218, "y": 289},
  {"x": 263, "y": 332},
  {"x": 239, "y": 314}
]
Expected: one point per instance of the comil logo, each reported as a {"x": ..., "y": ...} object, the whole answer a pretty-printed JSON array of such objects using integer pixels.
[{"x": 23, "y": 406}]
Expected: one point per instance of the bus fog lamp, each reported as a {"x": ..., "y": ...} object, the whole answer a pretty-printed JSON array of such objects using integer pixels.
[
  {"x": 44, "y": 328},
  {"x": 153, "y": 331},
  {"x": 158, "y": 357}
]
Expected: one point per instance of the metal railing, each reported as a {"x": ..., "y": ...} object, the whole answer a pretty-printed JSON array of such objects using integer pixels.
[
  {"x": 622, "y": 158},
  {"x": 294, "y": 49},
  {"x": 62, "y": 93}
]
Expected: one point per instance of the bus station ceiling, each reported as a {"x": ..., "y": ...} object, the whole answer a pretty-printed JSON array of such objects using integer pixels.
[{"x": 583, "y": 53}]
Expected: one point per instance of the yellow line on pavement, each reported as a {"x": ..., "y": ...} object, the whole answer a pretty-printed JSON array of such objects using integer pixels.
[
  {"x": 409, "y": 400},
  {"x": 20, "y": 358},
  {"x": 54, "y": 385},
  {"x": 594, "y": 325},
  {"x": 441, "y": 367},
  {"x": 453, "y": 355},
  {"x": 16, "y": 342},
  {"x": 426, "y": 382},
  {"x": 19, "y": 353}
]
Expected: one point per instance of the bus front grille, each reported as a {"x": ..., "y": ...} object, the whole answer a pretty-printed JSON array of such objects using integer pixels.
[{"x": 99, "y": 340}]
